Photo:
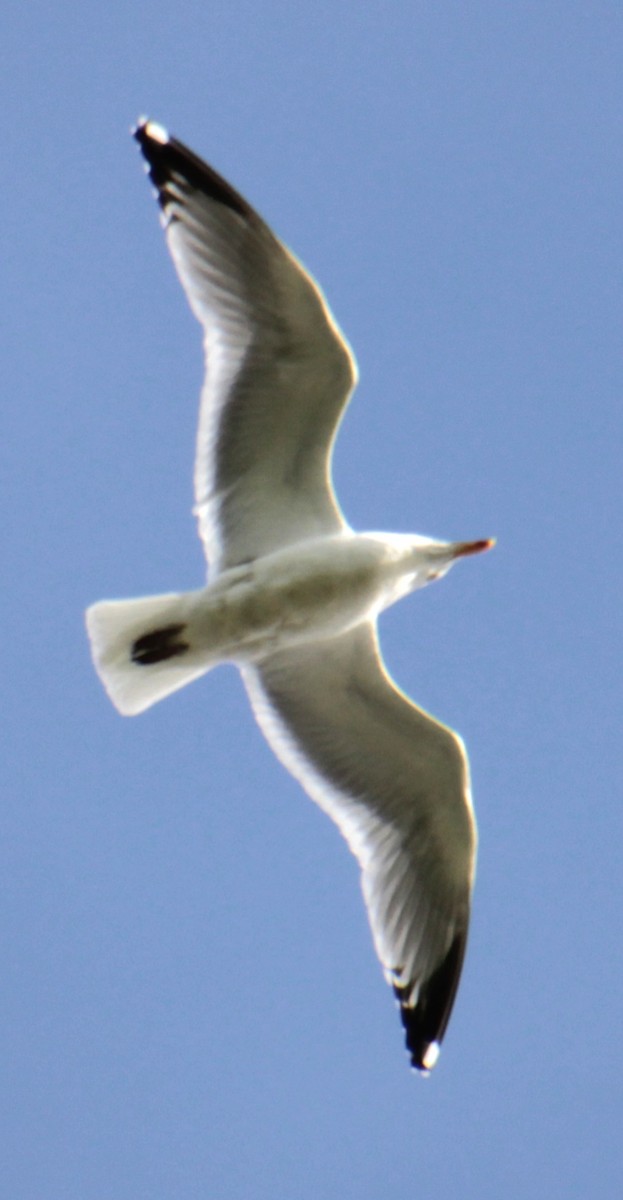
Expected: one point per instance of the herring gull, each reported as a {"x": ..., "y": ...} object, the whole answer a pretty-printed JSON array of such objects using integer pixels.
[{"x": 294, "y": 593}]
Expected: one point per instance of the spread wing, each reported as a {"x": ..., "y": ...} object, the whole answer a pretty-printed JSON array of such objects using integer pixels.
[
  {"x": 278, "y": 371},
  {"x": 396, "y": 782}
]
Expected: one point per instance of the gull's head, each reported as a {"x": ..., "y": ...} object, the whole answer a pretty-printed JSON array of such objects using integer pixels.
[
  {"x": 443, "y": 555},
  {"x": 424, "y": 560}
]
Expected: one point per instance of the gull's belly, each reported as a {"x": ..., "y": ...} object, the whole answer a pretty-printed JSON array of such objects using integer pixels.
[{"x": 303, "y": 593}]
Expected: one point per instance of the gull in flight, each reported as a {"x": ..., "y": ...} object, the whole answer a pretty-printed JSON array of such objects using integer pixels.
[{"x": 294, "y": 593}]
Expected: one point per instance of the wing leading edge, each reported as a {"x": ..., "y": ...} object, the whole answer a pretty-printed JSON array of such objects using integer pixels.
[
  {"x": 396, "y": 782},
  {"x": 278, "y": 371}
]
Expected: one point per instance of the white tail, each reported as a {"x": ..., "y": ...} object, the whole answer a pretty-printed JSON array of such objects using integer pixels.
[{"x": 140, "y": 650}]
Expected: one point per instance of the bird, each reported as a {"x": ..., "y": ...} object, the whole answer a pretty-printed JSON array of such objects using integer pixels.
[{"x": 294, "y": 593}]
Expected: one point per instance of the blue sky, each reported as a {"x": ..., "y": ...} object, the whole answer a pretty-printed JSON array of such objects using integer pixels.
[{"x": 190, "y": 1003}]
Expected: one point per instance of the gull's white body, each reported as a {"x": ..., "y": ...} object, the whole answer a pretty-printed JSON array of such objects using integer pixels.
[{"x": 294, "y": 593}]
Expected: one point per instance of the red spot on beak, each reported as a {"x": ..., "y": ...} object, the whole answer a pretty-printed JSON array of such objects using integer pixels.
[{"x": 463, "y": 548}]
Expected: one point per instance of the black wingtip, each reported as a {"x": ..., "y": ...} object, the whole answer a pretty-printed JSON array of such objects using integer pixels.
[
  {"x": 425, "y": 1022},
  {"x": 137, "y": 131},
  {"x": 147, "y": 132},
  {"x": 166, "y": 158}
]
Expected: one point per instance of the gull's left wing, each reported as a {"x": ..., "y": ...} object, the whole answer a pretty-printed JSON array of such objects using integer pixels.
[{"x": 396, "y": 782}]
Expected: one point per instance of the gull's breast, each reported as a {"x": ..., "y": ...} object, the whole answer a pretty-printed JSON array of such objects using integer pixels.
[{"x": 317, "y": 589}]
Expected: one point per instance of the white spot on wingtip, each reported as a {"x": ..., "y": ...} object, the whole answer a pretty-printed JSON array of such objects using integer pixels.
[
  {"x": 158, "y": 133},
  {"x": 430, "y": 1057}
]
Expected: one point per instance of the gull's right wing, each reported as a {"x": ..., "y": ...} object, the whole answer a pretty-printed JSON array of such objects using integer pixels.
[{"x": 278, "y": 371}]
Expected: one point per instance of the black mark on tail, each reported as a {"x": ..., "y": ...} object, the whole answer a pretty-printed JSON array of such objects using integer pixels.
[{"x": 157, "y": 646}]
